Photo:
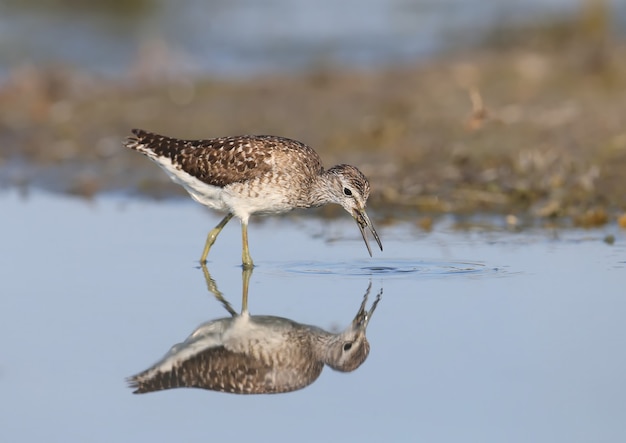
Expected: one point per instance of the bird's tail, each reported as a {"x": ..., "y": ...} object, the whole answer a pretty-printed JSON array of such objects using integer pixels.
[
  {"x": 140, "y": 141},
  {"x": 151, "y": 381}
]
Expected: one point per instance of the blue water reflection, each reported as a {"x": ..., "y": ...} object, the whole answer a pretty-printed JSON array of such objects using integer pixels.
[
  {"x": 93, "y": 291},
  {"x": 256, "y": 354}
]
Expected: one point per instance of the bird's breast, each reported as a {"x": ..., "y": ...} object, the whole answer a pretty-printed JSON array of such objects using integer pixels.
[{"x": 256, "y": 197}]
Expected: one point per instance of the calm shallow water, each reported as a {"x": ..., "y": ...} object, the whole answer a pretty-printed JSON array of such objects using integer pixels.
[
  {"x": 484, "y": 337},
  {"x": 243, "y": 37}
]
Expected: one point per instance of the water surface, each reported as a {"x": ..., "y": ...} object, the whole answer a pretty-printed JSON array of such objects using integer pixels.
[
  {"x": 479, "y": 336},
  {"x": 242, "y": 37}
]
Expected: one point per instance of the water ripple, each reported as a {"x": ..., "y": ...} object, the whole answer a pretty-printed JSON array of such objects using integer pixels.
[{"x": 394, "y": 268}]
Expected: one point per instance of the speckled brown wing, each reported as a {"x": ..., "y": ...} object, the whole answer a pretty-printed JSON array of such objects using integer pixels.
[
  {"x": 219, "y": 161},
  {"x": 219, "y": 369}
]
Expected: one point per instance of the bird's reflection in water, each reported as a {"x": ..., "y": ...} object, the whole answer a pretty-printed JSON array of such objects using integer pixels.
[{"x": 256, "y": 354}]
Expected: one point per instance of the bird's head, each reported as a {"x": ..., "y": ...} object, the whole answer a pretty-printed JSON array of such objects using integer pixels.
[
  {"x": 351, "y": 191},
  {"x": 350, "y": 348}
]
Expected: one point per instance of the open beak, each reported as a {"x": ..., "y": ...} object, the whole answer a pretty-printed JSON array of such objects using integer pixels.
[{"x": 363, "y": 221}]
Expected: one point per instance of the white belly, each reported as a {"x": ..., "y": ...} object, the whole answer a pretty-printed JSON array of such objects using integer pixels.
[
  {"x": 208, "y": 195},
  {"x": 243, "y": 205},
  {"x": 237, "y": 198}
]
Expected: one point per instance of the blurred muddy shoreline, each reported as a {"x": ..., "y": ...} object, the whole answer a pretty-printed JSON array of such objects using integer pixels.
[{"x": 535, "y": 132}]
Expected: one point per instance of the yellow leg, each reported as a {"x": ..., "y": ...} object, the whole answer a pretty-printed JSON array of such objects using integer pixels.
[
  {"x": 245, "y": 278},
  {"x": 212, "y": 287},
  {"x": 245, "y": 253},
  {"x": 245, "y": 284},
  {"x": 210, "y": 239}
]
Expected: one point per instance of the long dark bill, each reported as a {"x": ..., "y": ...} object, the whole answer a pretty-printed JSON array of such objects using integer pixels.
[{"x": 363, "y": 221}]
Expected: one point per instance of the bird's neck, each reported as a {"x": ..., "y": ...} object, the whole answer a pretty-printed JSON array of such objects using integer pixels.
[
  {"x": 320, "y": 191},
  {"x": 322, "y": 341}
]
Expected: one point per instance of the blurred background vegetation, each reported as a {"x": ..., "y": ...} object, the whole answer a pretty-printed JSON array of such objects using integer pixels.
[{"x": 464, "y": 107}]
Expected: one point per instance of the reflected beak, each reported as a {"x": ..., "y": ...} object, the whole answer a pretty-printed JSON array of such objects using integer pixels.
[
  {"x": 363, "y": 221},
  {"x": 363, "y": 317}
]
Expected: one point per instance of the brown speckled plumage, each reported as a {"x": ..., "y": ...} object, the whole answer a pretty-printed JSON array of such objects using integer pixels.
[
  {"x": 255, "y": 174},
  {"x": 247, "y": 354},
  {"x": 220, "y": 369},
  {"x": 226, "y": 160}
]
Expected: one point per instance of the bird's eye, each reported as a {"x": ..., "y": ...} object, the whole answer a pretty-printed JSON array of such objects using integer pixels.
[
  {"x": 347, "y": 191},
  {"x": 347, "y": 346}
]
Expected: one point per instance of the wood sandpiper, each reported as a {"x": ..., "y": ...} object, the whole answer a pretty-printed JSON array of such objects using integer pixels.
[
  {"x": 256, "y": 354},
  {"x": 256, "y": 174}
]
